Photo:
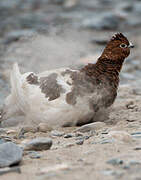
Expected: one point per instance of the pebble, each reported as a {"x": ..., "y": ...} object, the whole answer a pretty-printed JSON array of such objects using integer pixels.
[
  {"x": 80, "y": 142},
  {"x": 34, "y": 155},
  {"x": 138, "y": 136},
  {"x": 27, "y": 129},
  {"x": 106, "y": 141},
  {"x": 134, "y": 162},
  {"x": 115, "y": 161},
  {"x": 91, "y": 127},
  {"x": 137, "y": 148},
  {"x": 38, "y": 144},
  {"x": 69, "y": 135},
  {"x": 43, "y": 127},
  {"x": 9, "y": 170},
  {"x": 10, "y": 154},
  {"x": 120, "y": 136},
  {"x": 118, "y": 173},
  {"x": 57, "y": 133}
]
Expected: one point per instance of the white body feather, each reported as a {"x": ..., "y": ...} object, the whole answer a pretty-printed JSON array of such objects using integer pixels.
[{"x": 37, "y": 108}]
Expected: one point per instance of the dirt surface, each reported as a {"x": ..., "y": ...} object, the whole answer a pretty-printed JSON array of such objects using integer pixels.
[{"x": 52, "y": 34}]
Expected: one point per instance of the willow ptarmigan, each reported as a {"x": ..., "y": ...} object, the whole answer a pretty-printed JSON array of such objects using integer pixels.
[{"x": 62, "y": 97}]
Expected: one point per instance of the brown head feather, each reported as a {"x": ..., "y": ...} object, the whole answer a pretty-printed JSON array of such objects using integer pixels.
[{"x": 110, "y": 62}]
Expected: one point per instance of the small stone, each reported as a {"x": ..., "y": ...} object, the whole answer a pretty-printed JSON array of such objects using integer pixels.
[
  {"x": 43, "y": 127},
  {"x": 120, "y": 135},
  {"x": 106, "y": 141},
  {"x": 138, "y": 136},
  {"x": 9, "y": 170},
  {"x": 136, "y": 133},
  {"x": 34, "y": 155},
  {"x": 108, "y": 172},
  {"x": 91, "y": 127},
  {"x": 39, "y": 144},
  {"x": 115, "y": 161},
  {"x": 80, "y": 142},
  {"x": 10, "y": 154},
  {"x": 57, "y": 133},
  {"x": 134, "y": 162},
  {"x": 137, "y": 148},
  {"x": 69, "y": 135},
  {"x": 78, "y": 134},
  {"x": 27, "y": 129}
]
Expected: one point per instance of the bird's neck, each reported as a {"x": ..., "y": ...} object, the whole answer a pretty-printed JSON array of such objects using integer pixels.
[
  {"x": 105, "y": 65},
  {"x": 105, "y": 68}
]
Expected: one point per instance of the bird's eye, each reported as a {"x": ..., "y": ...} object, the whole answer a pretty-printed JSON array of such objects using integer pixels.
[{"x": 123, "y": 45}]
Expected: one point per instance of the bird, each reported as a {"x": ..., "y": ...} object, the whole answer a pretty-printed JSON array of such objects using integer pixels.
[{"x": 64, "y": 96}]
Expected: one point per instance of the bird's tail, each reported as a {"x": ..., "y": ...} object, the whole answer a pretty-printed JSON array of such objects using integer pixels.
[{"x": 16, "y": 88}]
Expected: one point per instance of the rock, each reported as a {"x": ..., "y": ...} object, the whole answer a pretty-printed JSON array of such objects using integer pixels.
[
  {"x": 134, "y": 162},
  {"x": 43, "y": 127},
  {"x": 120, "y": 135},
  {"x": 116, "y": 173},
  {"x": 39, "y": 144},
  {"x": 137, "y": 148},
  {"x": 115, "y": 161},
  {"x": 27, "y": 129},
  {"x": 57, "y": 133},
  {"x": 78, "y": 134},
  {"x": 10, "y": 154},
  {"x": 80, "y": 142},
  {"x": 107, "y": 21},
  {"x": 69, "y": 135},
  {"x": 91, "y": 127},
  {"x": 34, "y": 155},
  {"x": 9, "y": 170},
  {"x": 136, "y": 133},
  {"x": 138, "y": 136},
  {"x": 106, "y": 141}
]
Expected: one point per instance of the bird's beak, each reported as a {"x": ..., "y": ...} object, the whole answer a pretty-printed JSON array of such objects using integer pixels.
[{"x": 131, "y": 45}]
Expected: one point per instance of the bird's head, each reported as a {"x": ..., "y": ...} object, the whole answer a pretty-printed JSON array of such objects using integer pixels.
[{"x": 118, "y": 48}]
